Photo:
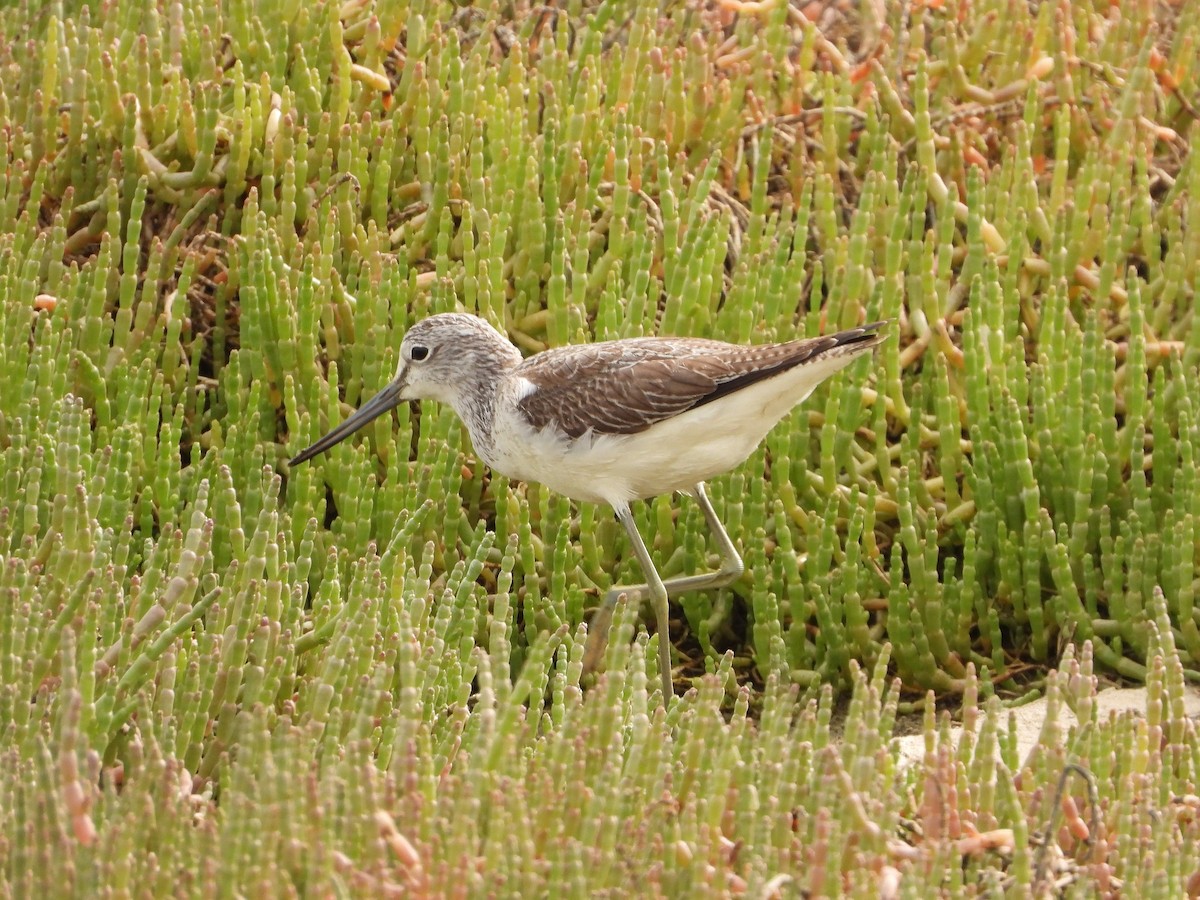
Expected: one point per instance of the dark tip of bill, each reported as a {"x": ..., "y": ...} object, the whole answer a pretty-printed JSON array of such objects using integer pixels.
[{"x": 303, "y": 456}]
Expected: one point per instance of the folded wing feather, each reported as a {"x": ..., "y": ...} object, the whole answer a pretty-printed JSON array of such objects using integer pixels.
[{"x": 625, "y": 387}]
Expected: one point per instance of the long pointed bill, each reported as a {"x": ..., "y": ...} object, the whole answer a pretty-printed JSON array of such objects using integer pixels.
[{"x": 385, "y": 400}]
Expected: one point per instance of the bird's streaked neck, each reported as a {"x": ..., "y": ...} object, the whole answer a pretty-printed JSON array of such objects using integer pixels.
[{"x": 472, "y": 391}]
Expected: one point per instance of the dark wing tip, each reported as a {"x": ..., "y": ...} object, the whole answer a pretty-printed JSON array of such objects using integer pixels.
[
  {"x": 861, "y": 338},
  {"x": 863, "y": 332}
]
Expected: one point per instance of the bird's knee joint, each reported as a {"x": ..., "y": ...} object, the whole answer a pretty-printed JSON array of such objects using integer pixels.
[{"x": 733, "y": 569}]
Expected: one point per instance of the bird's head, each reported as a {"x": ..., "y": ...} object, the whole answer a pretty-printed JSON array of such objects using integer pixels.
[{"x": 443, "y": 357}]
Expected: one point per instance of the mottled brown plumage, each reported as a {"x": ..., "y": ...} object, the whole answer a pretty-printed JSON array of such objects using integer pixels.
[{"x": 624, "y": 387}]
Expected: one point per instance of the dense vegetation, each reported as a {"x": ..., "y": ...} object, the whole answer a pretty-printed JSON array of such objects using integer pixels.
[{"x": 219, "y": 675}]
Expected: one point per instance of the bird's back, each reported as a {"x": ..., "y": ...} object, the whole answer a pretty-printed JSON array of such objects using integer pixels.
[{"x": 626, "y": 386}]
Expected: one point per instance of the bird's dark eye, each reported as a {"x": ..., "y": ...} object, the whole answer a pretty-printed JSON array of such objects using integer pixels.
[{"x": 419, "y": 353}]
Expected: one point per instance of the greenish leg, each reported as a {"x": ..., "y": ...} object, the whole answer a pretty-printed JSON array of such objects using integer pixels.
[{"x": 660, "y": 591}]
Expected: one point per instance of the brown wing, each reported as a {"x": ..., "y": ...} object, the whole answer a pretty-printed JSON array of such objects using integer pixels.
[{"x": 623, "y": 387}]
